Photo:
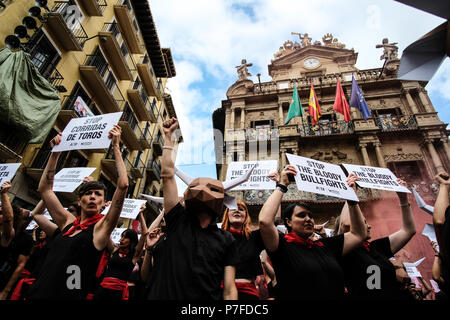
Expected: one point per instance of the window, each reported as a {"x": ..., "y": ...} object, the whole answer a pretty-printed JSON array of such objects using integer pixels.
[
  {"x": 110, "y": 81},
  {"x": 110, "y": 188},
  {"x": 43, "y": 54},
  {"x": 124, "y": 50}
]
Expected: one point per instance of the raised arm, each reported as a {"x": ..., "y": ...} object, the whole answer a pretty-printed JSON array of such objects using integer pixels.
[
  {"x": 358, "y": 229},
  {"x": 400, "y": 238},
  {"x": 440, "y": 207},
  {"x": 144, "y": 231},
  {"x": 38, "y": 215},
  {"x": 103, "y": 229},
  {"x": 170, "y": 189},
  {"x": 60, "y": 215},
  {"x": 269, "y": 232},
  {"x": 151, "y": 239},
  {"x": 8, "y": 218}
]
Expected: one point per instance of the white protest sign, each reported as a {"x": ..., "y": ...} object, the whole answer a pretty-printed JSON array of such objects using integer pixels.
[
  {"x": 130, "y": 209},
  {"x": 116, "y": 234},
  {"x": 88, "y": 133},
  {"x": 33, "y": 223},
  {"x": 375, "y": 178},
  {"x": 428, "y": 231},
  {"x": 411, "y": 268},
  {"x": 259, "y": 179},
  {"x": 321, "y": 177},
  {"x": 68, "y": 179},
  {"x": 282, "y": 228},
  {"x": 7, "y": 171}
]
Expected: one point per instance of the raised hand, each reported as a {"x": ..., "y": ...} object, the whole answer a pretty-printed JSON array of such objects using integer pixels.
[
  {"x": 114, "y": 134},
  {"x": 153, "y": 237},
  {"x": 5, "y": 187},
  {"x": 289, "y": 170},
  {"x": 351, "y": 180},
  {"x": 443, "y": 178}
]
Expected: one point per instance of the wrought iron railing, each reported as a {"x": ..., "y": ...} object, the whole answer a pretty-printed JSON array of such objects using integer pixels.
[
  {"x": 388, "y": 122},
  {"x": 55, "y": 79},
  {"x": 43, "y": 154},
  {"x": 153, "y": 109},
  {"x": 12, "y": 141},
  {"x": 155, "y": 167},
  {"x": 111, "y": 27},
  {"x": 326, "y": 128},
  {"x": 76, "y": 28},
  {"x": 97, "y": 61},
  {"x": 102, "y": 5}
]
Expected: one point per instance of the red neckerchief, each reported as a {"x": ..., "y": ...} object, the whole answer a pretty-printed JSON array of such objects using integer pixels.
[
  {"x": 83, "y": 226},
  {"x": 238, "y": 232},
  {"x": 366, "y": 245},
  {"x": 125, "y": 251},
  {"x": 39, "y": 245},
  {"x": 292, "y": 237}
]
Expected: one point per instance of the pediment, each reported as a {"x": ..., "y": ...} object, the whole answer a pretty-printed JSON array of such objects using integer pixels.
[{"x": 241, "y": 87}]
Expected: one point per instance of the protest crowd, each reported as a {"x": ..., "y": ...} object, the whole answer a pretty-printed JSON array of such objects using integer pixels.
[{"x": 185, "y": 255}]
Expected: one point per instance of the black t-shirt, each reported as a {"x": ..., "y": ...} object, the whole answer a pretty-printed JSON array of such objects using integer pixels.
[
  {"x": 119, "y": 267},
  {"x": 21, "y": 244},
  {"x": 309, "y": 273},
  {"x": 445, "y": 265},
  {"x": 249, "y": 266},
  {"x": 38, "y": 255},
  {"x": 68, "y": 258},
  {"x": 357, "y": 272},
  {"x": 189, "y": 264}
]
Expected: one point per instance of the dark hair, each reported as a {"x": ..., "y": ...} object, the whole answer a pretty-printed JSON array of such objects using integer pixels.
[
  {"x": 91, "y": 185},
  {"x": 133, "y": 236},
  {"x": 287, "y": 213}
]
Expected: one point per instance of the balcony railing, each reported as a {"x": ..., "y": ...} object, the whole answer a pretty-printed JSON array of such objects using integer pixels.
[
  {"x": 12, "y": 141},
  {"x": 153, "y": 165},
  {"x": 102, "y": 5},
  {"x": 43, "y": 154},
  {"x": 326, "y": 128},
  {"x": 389, "y": 122},
  {"x": 261, "y": 134},
  {"x": 56, "y": 79},
  {"x": 76, "y": 28},
  {"x": 152, "y": 109},
  {"x": 111, "y": 27},
  {"x": 129, "y": 117}
]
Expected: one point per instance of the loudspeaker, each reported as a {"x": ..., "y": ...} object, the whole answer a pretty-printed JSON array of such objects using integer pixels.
[
  {"x": 35, "y": 12},
  {"x": 30, "y": 23},
  {"x": 12, "y": 42},
  {"x": 21, "y": 32}
]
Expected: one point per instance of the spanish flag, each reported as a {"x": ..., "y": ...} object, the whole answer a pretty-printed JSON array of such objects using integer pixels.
[{"x": 314, "y": 107}]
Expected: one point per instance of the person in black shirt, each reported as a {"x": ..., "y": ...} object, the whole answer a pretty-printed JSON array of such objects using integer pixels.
[
  {"x": 195, "y": 254},
  {"x": 441, "y": 217},
  {"x": 306, "y": 269},
  {"x": 249, "y": 246},
  {"x": 364, "y": 266},
  {"x": 72, "y": 265}
]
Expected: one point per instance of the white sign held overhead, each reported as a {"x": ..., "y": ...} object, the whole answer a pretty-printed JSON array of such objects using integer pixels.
[
  {"x": 428, "y": 231},
  {"x": 88, "y": 132},
  {"x": 130, "y": 209},
  {"x": 68, "y": 179},
  {"x": 321, "y": 177},
  {"x": 7, "y": 171},
  {"x": 375, "y": 178},
  {"x": 116, "y": 234},
  {"x": 411, "y": 268},
  {"x": 259, "y": 179}
]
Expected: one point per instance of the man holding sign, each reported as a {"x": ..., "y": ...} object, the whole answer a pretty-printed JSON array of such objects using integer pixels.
[{"x": 70, "y": 267}]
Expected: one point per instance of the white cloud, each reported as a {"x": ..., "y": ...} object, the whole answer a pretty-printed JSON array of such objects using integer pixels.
[{"x": 209, "y": 38}]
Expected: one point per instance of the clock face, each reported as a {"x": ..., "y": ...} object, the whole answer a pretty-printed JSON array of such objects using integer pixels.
[{"x": 311, "y": 63}]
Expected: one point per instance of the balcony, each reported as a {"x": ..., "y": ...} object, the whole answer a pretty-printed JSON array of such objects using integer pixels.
[
  {"x": 71, "y": 36},
  {"x": 148, "y": 79},
  {"x": 122, "y": 11},
  {"x": 388, "y": 122},
  {"x": 324, "y": 128},
  {"x": 153, "y": 111},
  {"x": 35, "y": 170},
  {"x": 113, "y": 52},
  {"x": 158, "y": 143},
  {"x": 109, "y": 166},
  {"x": 144, "y": 140},
  {"x": 288, "y": 131},
  {"x": 94, "y": 7},
  {"x": 154, "y": 170},
  {"x": 56, "y": 79},
  {"x": 11, "y": 146},
  {"x": 109, "y": 98},
  {"x": 137, "y": 169},
  {"x": 140, "y": 102},
  {"x": 131, "y": 132},
  {"x": 263, "y": 134}
]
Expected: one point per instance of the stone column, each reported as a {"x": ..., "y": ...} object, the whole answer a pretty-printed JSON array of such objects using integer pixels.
[
  {"x": 280, "y": 113},
  {"x": 411, "y": 102},
  {"x": 232, "y": 119},
  {"x": 446, "y": 147},
  {"x": 379, "y": 154},
  {"x": 228, "y": 119},
  {"x": 428, "y": 106},
  {"x": 434, "y": 155},
  {"x": 365, "y": 155},
  {"x": 242, "y": 118}
]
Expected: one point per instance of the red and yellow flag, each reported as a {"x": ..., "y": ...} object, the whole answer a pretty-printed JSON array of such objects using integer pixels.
[{"x": 314, "y": 107}]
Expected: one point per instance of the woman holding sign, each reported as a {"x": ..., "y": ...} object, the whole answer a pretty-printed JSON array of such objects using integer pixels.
[
  {"x": 72, "y": 264},
  {"x": 369, "y": 274},
  {"x": 306, "y": 269},
  {"x": 249, "y": 245}
]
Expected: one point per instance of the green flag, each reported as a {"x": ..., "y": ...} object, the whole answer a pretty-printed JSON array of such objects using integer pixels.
[{"x": 295, "y": 108}]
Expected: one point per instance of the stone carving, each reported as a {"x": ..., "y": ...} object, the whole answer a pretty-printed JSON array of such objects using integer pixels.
[
  {"x": 390, "y": 50},
  {"x": 330, "y": 41},
  {"x": 242, "y": 70},
  {"x": 403, "y": 157}
]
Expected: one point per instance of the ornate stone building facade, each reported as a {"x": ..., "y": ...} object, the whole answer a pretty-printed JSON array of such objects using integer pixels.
[{"x": 404, "y": 132}]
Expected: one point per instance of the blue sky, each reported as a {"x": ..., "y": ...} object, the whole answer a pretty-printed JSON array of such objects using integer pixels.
[{"x": 209, "y": 38}]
